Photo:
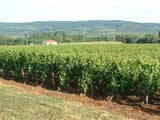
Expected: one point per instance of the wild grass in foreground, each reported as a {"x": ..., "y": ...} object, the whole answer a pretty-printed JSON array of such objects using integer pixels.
[{"x": 17, "y": 105}]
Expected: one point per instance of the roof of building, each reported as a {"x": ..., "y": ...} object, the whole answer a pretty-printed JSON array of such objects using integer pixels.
[{"x": 50, "y": 40}]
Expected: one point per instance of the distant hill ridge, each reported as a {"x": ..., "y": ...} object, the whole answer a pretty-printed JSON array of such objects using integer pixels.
[{"x": 91, "y": 27}]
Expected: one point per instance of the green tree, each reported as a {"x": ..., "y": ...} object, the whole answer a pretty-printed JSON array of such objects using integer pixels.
[
  {"x": 149, "y": 38},
  {"x": 67, "y": 39},
  {"x": 59, "y": 37}
]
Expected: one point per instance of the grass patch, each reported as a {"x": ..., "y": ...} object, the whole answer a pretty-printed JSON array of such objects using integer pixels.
[
  {"x": 17, "y": 105},
  {"x": 99, "y": 42}
]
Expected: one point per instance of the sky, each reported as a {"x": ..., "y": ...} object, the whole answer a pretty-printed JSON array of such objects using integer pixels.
[{"x": 76, "y": 10}]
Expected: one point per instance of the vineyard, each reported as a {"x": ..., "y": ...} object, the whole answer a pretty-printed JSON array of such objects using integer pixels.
[{"x": 110, "y": 70}]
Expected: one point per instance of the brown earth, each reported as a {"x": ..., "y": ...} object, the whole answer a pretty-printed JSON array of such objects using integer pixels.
[{"x": 129, "y": 110}]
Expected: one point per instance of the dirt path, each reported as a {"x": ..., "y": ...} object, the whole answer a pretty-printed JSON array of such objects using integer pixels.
[{"x": 129, "y": 112}]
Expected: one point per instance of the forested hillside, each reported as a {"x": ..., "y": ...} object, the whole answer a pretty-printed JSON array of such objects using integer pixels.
[{"x": 92, "y": 27}]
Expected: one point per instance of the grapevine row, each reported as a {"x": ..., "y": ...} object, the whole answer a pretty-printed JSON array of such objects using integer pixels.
[{"x": 107, "y": 75}]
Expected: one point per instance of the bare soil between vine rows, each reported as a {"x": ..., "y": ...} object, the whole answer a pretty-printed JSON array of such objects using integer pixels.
[{"x": 130, "y": 110}]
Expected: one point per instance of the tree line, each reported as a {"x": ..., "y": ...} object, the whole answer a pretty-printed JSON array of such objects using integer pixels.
[
  {"x": 66, "y": 37},
  {"x": 134, "y": 38},
  {"x": 58, "y": 36},
  {"x": 35, "y": 38},
  {"x": 61, "y": 36}
]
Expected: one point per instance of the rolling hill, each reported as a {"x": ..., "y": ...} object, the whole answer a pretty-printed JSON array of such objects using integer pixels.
[{"x": 91, "y": 27}]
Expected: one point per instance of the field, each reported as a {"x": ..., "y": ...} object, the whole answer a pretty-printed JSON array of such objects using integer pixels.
[
  {"x": 106, "y": 71},
  {"x": 93, "y": 69},
  {"x": 100, "y": 42}
]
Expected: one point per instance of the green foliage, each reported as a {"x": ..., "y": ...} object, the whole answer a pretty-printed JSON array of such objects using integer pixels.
[
  {"x": 127, "y": 38},
  {"x": 149, "y": 38},
  {"x": 159, "y": 34},
  {"x": 12, "y": 41},
  {"x": 116, "y": 69},
  {"x": 61, "y": 36},
  {"x": 134, "y": 38}
]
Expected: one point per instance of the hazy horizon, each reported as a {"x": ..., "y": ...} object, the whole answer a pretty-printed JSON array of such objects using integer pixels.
[
  {"x": 73, "y": 21},
  {"x": 80, "y": 10}
]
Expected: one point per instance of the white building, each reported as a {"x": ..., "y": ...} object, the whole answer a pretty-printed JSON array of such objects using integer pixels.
[{"x": 50, "y": 42}]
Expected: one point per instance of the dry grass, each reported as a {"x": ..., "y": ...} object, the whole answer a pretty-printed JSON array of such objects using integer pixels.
[
  {"x": 17, "y": 105},
  {"x": 100, "y": 42}
]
